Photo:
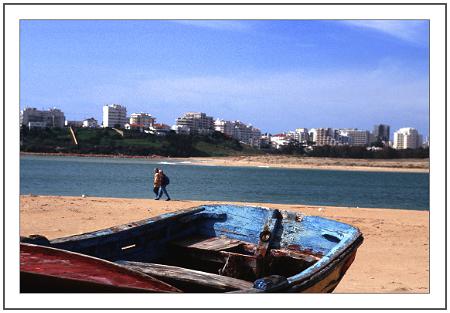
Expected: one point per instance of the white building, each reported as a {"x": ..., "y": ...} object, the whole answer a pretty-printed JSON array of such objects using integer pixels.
[
  {"x": 324, "y": 137},
  {"x": 159, "y": 129},
  {"x": 264, "y": 141},
  {"x": 225, "y": 127},
  {"x": 407, "y": 138},
  {"x": 197, "y": 122},
  {"x": 246, "y": 134},
  {"x": 90, "y": 123},
  {"x": 114, "y": 115},
  {"x": 182, "y": 130},
  {"x": 278, "y": 141},
  {"x": 143, "y": 120},
  {"x": 312, "y": 134},
  {"x": 357, "y": 137},
  {"x": 73, "y": 123},
  {"x": 32, "y": 117},
  {"x": 240, "y": 131},
  {"x": 301, "y": 135}
]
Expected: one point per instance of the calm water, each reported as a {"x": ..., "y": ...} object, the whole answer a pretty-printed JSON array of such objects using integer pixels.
[{"x": 132, "y": 178}]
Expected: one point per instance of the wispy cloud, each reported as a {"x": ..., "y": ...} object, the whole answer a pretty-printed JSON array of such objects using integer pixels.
[
  {"x": 344, "y": 98},
  {"x": 229, "y": 25},
  {"x": 414, "y": 31}
]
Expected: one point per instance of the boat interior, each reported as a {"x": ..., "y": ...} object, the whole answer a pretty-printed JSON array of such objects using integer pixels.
[
  {"x": 220, "y": 264},
  {"x": 207, "y": 250}
]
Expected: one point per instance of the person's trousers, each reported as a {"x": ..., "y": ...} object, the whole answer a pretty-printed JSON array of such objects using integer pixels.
[{"x": 162, "y": 190}]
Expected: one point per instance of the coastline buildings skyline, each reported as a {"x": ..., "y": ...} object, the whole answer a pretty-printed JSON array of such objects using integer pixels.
[{"x": 115, "y": 115}]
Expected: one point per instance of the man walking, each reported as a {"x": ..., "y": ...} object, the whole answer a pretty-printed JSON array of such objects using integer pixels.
[
  {"x": 164, "y": 181},
  {"x": 156, "y": 183}
]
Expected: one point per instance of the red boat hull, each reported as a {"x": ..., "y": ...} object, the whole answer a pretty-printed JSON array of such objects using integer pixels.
[{"x": 44, "y": 269}]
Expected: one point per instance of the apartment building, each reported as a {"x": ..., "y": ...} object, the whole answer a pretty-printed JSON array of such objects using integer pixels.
[
  {"x": 278, "y": 141},
  {"x": 90, "y": 123},
  {"x": 324, "y": 137},
  {"x": 239, "y": 131},
  {"x": 114, "y": 115},
  {"x": 407, "y": 138},
  {"x": 159, "y": 129},
  {"x": 381, "y": 132},
  {"x": 32, "y": 117},
  {"x": 301, "y": 135},
  {"x": 357, "y": 137},
  {"x": 143, "y": 120},
  {"x": 225, "y": 127},
  {"x": 246, "y": 134},
  {"x": 75, "y": 124},
  {"x": 197, "y": 122}
]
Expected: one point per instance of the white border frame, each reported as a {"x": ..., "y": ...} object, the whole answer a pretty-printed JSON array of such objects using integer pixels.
[{"x": 435, "y": 13}]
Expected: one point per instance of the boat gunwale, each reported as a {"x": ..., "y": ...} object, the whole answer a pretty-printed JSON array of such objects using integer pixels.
[
  {"x": 127, "y": 226},
  {"x": 316, "y": 270}
]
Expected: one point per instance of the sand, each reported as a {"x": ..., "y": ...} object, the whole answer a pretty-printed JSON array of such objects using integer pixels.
[
  {"x": 394, "y": 257},
  {"x": 283, "y": 161}
]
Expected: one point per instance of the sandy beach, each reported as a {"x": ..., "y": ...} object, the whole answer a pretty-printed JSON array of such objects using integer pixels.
[
  {"x": 394, "y": 257},
  {"x": 283, "y": 161}
]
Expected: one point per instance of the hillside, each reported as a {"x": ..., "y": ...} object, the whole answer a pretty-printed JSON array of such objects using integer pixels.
[{"x": 108, "y": 141}]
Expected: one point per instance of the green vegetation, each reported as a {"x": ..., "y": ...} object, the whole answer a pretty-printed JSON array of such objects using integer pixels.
[
  {"x": 108, "y": 141},
  {"x": 135, "y": 143},
  {"x": 363, "y": 153}
]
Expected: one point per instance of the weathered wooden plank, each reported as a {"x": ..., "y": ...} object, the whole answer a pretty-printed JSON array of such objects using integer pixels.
[
  {"x": 213, "y": 243},
  {"x": 298, "y": 255},
  {"x": 178, "y": 275}
]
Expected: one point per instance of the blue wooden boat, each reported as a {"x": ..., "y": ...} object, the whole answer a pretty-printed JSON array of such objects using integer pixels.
[{"x": 227, "y": 248}]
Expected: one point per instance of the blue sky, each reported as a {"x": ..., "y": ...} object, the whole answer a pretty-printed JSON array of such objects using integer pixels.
[{"x": 276, "y": 74}]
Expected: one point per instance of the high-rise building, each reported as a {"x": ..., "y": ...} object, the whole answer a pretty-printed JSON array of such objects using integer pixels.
[
  {"x": 324, "y": 137},
  {"x": 312, "y": 134},
  {"x": 301, "y": 135},
  {"x": 114, "y": 115},
  {"x": 197, "y": 122},
  {"x": 32, "y": 117},
  {"x": 407, "y": 138},
  {"x": 381, "y": 132}
]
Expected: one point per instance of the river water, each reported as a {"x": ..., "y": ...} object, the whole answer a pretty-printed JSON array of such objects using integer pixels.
[{"x": 132, "y": 178}]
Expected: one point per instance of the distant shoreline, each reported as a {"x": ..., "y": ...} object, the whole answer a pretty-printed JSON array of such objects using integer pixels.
[{"x": 281, "y": 161}]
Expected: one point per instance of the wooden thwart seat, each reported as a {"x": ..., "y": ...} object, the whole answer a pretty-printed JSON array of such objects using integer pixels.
[
  {"x": 211, "y": 243},
  {"x": 179, "y": 276}
]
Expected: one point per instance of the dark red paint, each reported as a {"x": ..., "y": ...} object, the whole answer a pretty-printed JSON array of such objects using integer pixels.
[{"x": 72, "y": 266}]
